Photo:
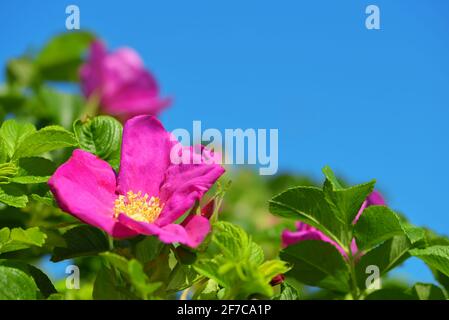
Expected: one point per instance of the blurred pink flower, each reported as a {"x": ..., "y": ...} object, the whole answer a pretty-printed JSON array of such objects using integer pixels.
[
  {"x": 149, "y": 193},
  {"x": 124, "y": 87},
  {"x": 306, "y": 232}
]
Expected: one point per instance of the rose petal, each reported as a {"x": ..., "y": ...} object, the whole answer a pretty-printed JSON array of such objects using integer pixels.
[
  {"x": 292, "y": 237},
  {"x": 84, "y": 186},
  {"x": 145, "y": 156},
  {"x": 185, "y": 183},
  {"x": 191, "y": 233},
  {"x": 91, "y": 73},
  {"x": 375, "y": 198}
]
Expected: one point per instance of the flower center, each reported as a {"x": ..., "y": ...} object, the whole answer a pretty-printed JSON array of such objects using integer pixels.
[{"x": 141, "y": 208}]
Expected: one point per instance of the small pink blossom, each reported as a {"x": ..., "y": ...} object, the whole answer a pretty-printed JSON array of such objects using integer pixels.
[
  {"x": 149, "y": 193},
  {"x": 125, "y": 88}
]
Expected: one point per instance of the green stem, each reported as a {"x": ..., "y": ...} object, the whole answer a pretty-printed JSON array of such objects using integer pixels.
[
  {"x": 111, "y": 243},
  {"x": 355, "y": 292},
  {"x": 91, "y": 107}
]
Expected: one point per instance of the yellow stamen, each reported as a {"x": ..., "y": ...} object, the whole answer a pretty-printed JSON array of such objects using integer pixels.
[{"x": 138, "y": 207}]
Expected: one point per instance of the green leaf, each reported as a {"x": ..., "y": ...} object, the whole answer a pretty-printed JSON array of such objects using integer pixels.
[
  {"x": 12, "y": 100},
  {"x": 20, "y": 71},
  {"x": 308, "y": 204},
  {"x": 140, "y": 280},
  {"x": 181, "y": 277},
  {"x": 238, "y": 265},
  {"x": 210, "y": 269},
  {"x": 389, "y": 294},
  {"x": 46, "y": 288},
  {"x": 7, "y": 172},
  {"x": 110, "y": 285},
  {"x": 287, "y": 293},
  {"x": 34, "y": 170},
  {"x": 345, "y": 203},
  {"x": 427, "y": 291},
  {"x": 133, "y": 273},
  {"x": 414, "y": 234},
  {"x": 271, "y": 268},
  {"x": 436, "y": 257},
  {"x": 209, "y": 291},
  {"x": 101, "y": 136},
  {"x": 117, "y": 261},
  {"x": 47, "y": 199},
  {"x": 80, "y": 241},
  {"x": 233, "y": 241},
  {"x": 386, "y": 256},
  {"x": 56, "y": 106},
  {"x": 13, "y": 196},
  {"x": 330, "y": 176},
  {"x": 18, "y": 239},
  {"x": 3, "y": 150},
  {"x": 16, "y": 285},
  {"x": 185, "y": 255},
  {"x": 62, "y": 57},
  {"x": 376, "y": 225},
  {"x": 45, "y": 140},
  {"x": 317, "y": 263},
  {"x": 13, "y": 133},
  {"x": 148, "y": 249}
]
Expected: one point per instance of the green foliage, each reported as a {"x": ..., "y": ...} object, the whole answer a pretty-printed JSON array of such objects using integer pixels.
[
  {"x": 383, "y": 238},
  {"x": 148, "y": 249},
  {"x": 129, "y": 274},
  {"x": 13, "y": 133},
  {"x": 427, "y": 291},
  {"x": 238, "y": 260},
  {"x": 308, "y": 204},
  {"x": 33, "y": 170},
  {"x": 55, "y": 106},
  {"x": 386, "y": 256},
  {"x": 45, "y": 140},
  {"x": 18, "y": 239},
  {"x": 61, "y": 58},
  {"x": 376, "y": 225},
  {"x": 345, "y": 203},
  {"x": 238, "y": 266},
  {"x": 181, "y": 277},
  {"x": 20, "y": 146},
  {"x": 43, "y": 283},
  {"x": 16, "y": 285},
  {"x": 287, "y": 293},
  {"x": 81, "y": 241},
  {"x": 317, "y": 263},
  {"x": 13, "y": 196},
  {"x": 435, "y": 256},
  {"x": 101, "y": 136},
  {"x": 389, "y": 294}
]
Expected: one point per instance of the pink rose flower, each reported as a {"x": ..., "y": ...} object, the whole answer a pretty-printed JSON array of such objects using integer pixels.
[
  {"x": 306, "y": 232},
  {"x": 149, "y": 193},
  {"x": 124, "y": 87}
]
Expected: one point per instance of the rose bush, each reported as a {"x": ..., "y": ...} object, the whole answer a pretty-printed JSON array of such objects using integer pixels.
[{"x": 80, "y": 187}]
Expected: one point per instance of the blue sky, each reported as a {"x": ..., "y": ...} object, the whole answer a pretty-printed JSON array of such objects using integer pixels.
[{"x": 369, "y": 103}]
